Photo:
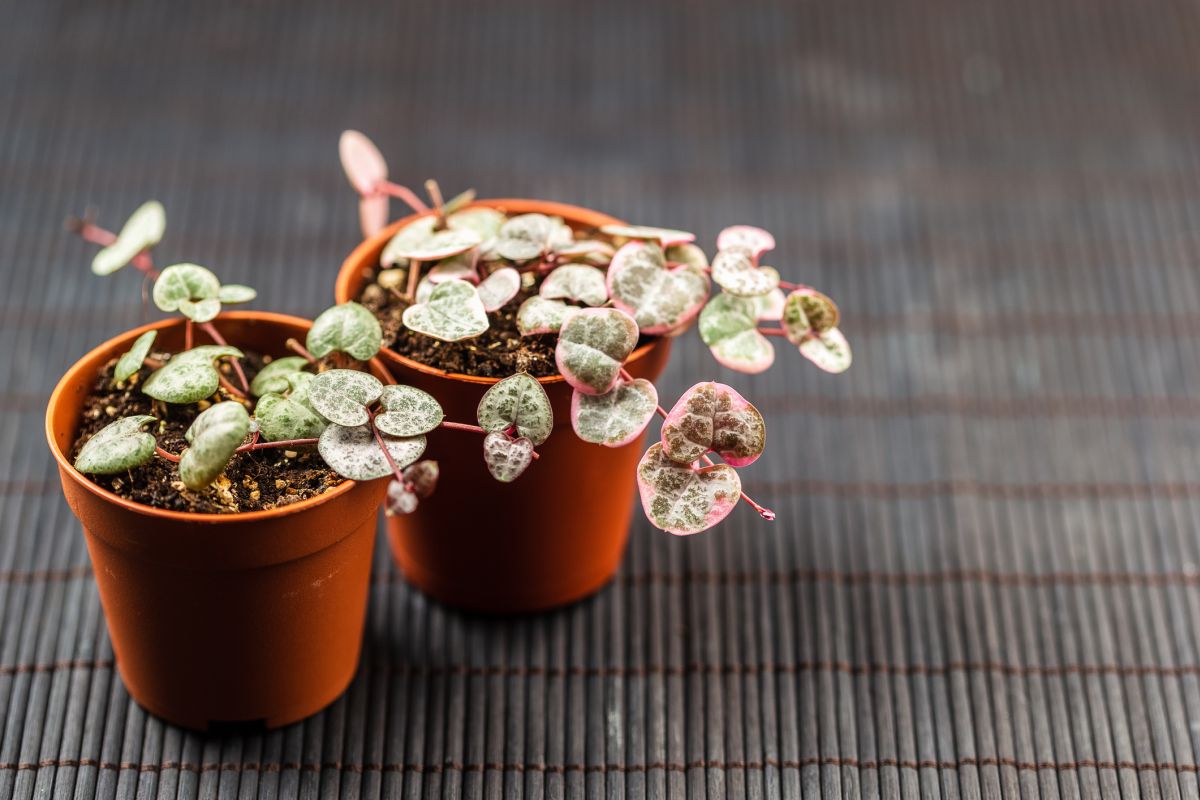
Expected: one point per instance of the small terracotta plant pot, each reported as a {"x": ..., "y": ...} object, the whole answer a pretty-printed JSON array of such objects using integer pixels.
[
  {"x": 554, "y": 535},
  {"x": 215, "y": 618}
]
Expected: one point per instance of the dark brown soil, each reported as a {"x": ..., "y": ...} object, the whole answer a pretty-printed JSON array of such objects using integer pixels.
[{"x": 253, "y": 481}]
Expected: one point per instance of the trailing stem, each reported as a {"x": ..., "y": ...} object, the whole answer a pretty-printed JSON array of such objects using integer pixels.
[
  {"x": 402, "y": 193},
  {"x": 463, "y": 426},
  {"x": 254, "y": 444},
  {"x": 216, "y": 336},
  {"x": 301, "y": 351}
]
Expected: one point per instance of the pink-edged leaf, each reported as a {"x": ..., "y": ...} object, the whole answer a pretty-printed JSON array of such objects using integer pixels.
[
  {"x": 713, "y": 416},
  {"x": 659, "y": 299},
  {"x": 362, "y": 161},
  {"x": 756, "y": 241},
  {"x": 807, "y": 311},
  {"x": 617, "y": 418},
  {"x": 400, "y": 500},
  {"x": 829, "y": 350},
  {"x": 729, "y": 326},
  {"x": 735, "y": 272},
  {"x": 423, "y": 476},
  {"x": 682, "y": 500},
  {"x": 539, "y": 315},
  {"x": 498, "y": 288},
  {"x": 506, "y": 458},
  {"x": 578, "y": 282},
  {"x": 590, "y": 251},
  {"x": 452, "y": 312},
  {"x": 770, "y": 306},
  {"x": 373, "y": 213},
  {"x": 457, "y": 267},
  {"x": 664, "y": 236},
  {"x": 592, "y": 346},
  {"x": 421, "y": 241}
]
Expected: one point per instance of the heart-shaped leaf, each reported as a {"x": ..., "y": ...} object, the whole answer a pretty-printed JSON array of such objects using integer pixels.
[
  {"x": 425, "y": 289},
  {"x": 498, "y": 288},
  {"x": 617, "y": 418},
  {"x": 529, "y": 236},
  {"x": 592, "y": 346},
  {"x": 735, "y": 272},
  {"x": 342, "y": 395},
  {"x": 234, "y": 293},
  {"x": 506, "y": 458},
  {"x": 282, "y": 418},
  {"x": 577, "y": 282},
  {"x": 421, "y": 241},
  {"x": 354, "y": 453},
  {"x": 681, "y": 500},
  {"x": 399, "y": 499},
  {"x": 454, "y": 267},
  {"x": 589, "y": 251},
  {"x": 769, "y": 306},
  {"x": 729, "y": 326},
  {"x": 659, "y": 299},
  {"x": 452, "y": 312},
  {"x": 409, "y": 411},
  {"x": 712, "y": 416},
  {"x": 273, "y": 378},
  {"x": 347, "y": 328},
  {"x": 200, "y": 311},
  {"x": 829, "y": 350},
  {"x": 373, "y": 212},
  {"x": 517, "y": 400},
  {"x": 362, "y": 161},
  {"x": 213, "y": 437},
  {"x": 189, "y": 376},
  {"x": 143, "y": 230},
  {"x": 664, "y": 236},
  {"x": 688, "y": 254},
  {"x": 754, "y": 241},
  {"x": 131, "y": 361},
  {"x": 806, "y": 312},
  {"x": 482, "y": 221},
  {"x": 423, "y": 476},
  {"x": 181, "y": 284},
  {"x": 539, "y": 315},
  {"x": 117, "y": 447}
]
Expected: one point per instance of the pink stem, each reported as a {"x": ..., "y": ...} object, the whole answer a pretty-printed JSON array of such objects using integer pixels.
[
  {"x": 435, "y": 195},
  {"x": 253, "y": 445},
  {"x": 414, "y": 270},
  {"x": 90, "y": 232},
  {"x": 791, "y": 287},
  {"x": 212, "y": 331},
  {"x": 299, "y": 349},
  {"x": 174, "y": 459},
  {"x": 772, "y": 331},
  {"x": 187, "y": 334},
  {"x": 399, "y": 473},
  {"x": 462, "y": 426},
  {"x": 403, "y": 193}
]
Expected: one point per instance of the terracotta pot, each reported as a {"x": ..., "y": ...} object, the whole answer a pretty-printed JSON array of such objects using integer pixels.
[
  {"x": 554, "y": 535},
  {"x": 215, "y": 618}
]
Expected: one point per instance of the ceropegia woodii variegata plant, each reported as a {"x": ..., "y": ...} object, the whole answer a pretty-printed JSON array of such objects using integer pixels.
[{"x": 600, "y": 292}]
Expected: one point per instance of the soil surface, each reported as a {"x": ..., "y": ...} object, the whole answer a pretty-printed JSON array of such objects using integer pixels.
[{"x": 253, "y": 481}]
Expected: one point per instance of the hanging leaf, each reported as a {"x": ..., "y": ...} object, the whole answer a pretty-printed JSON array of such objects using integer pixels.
[
  {"x": 213, "y": 437},
  {"x": 592, "y": 346},
  {"x": 409, "y": 411},
  {"x": 735, "y": 272},
  {"x": 539, "y": 315},
  {"x": 807, "y": 311},
  {"x": 423, "y": 476},
  {"x": 373, "y": 213},
  {"x": 483, "y": 222},
  {"x": 506, "y": 458},
  {"x": 362, "y": 161},
  {"x": 182, "y": 287},
  {"x": 143, "y": 230},
  {"x": 342, "y": 395},
  {"x": 498, "y": 288},
  {"x": 131, "y": 362},
  {"x": 664, "y": 236},
  {"x": 452, "y": 312},
  {"x": 829, "y": 350},
  {"x": 421, "y": 241},
  {"x": 617, "y": 418},
  {"x": 282, "y": 418},
  {"x": 189, "y": 376},
  {"x": 754, "y": 241},
  {"x": 348, "y": 328},
  {"x": 354, "y": 453},
  {"x": 659, "y": 299},
  {"x": 712, "y": 416},
  {"x": 729, "y": 326},
  {"x": 681, "y": 500},
  {"x": 399, "y": 499},
  {"x": 517, "y": 400},
  {"x": 117, "y": 447},
  {"x": 274, "y": 376},
  {"x": 233, "y": 293},
  {"x": 577, "y": 282},
  {"x": 528, "y": 236}
]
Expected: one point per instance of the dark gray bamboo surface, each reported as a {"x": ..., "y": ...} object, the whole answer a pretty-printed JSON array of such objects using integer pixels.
[{"x": 985, "y": 577}]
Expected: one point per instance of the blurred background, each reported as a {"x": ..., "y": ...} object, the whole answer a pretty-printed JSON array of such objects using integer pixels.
[{"x": 984, "y": 575}]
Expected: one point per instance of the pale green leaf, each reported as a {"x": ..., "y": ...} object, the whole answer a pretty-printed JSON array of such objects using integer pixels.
[
  {"x": 273, "y": 378},
  {"x": 131, "y": 361},
  {"x": 213, "y": 437},
  {"x": 617, "y": 418},
  {"x": 342, "y": 395},
  {"x": 143, "y": 230},
  {"x": 577, "y": 282},
  {"x": 592, "y": 346},
  {"x": 189, "y": 376},
  {"x": 347, "y": 328},
  {"x": 233, "y": 293},
  {"x": 117, "y": 447},
  {"x": 282, "y": 418},
  {"x": 180, "y": 282}
]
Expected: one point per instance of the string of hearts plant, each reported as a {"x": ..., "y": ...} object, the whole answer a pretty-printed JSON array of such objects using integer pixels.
[{"x": 598, "y": 293}]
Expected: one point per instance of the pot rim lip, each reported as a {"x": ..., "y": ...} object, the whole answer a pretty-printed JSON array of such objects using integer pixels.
[
  {"x": 524, "y": 205},
  {"x": 67, "y": 468}
]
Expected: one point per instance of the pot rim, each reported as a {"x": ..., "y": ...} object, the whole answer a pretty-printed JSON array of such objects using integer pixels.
[
  {"x": 366, "y": 249},
  {"x": 73, "y": 374}
]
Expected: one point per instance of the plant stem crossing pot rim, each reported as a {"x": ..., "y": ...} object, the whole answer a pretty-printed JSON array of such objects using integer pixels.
[
  {"x": 350, "y": 281},
  {"x": 87, "y": 362}
]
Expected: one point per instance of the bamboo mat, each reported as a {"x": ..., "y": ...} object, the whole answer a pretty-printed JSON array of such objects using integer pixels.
[{"x": 984, "y": 579}]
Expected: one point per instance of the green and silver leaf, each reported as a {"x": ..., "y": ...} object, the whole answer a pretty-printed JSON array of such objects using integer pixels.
[
  {"x": 189, "y": 376},
  {"x": 354, "y": 453},
  {"x": 408, "y": 411},
  {"x": 347, "y": 328},
  {"x": 506, "y": 458},
  {"x": 187, "y": 283},
  {"x": 143, "y": 230},
  {"x": 117, "y": 447},
  {"x": 729, "y": 326},
  {"x": 578, "y": 282},
  {"x": 342, "y": 395},
  {"x": 213, "y": 437},
  {"x": 617, "y": 418},
  {"x": 453, "y": 312},
  {"x": 131, "y": 361},
  {"x": 518, "y": 400},
  {"x": 592, "y": 346},
  {"x": 421, "y": 241},
  {"x": 273, "y": 378},
  {"x": 282, "y": 418},
  {"x": 539, "y": 315}
]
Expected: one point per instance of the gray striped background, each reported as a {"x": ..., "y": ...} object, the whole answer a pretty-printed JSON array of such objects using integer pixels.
[{"x": 985, "y": 579}]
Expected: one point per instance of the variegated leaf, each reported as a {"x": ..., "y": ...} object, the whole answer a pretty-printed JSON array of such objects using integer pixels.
[
  {"x": 577, "y": 282},
  {"x": 423, "y": 476},
  {"x": 354, "y": 452},
  {"x": 664, "y": 236},
  {"x": 659, "y": 299},
  {"x": 408, "y": 411},
  {"x": 234, "y": 293},
  {"x": 498, "y": 288},
  {"x": 539, "y": 315},
  {"x": 421, "y": 241},
  {"x": 342, "y": 395},
  {"x": 735, "y": 272},
  {"x": 348, "y": 328},
  {"x": 189, "y": 376},
  {"x": 617, "y": 418},
  {"x": 482, "y": 221},
  {"x": 273, "y": 378},
  {"x": 458, "y": 266},
  {"x": 592, "y": 346},
  {"x": 282, "y": 418},
  {"x": 687, "y": 253},
  {"x": 829, "y": 350},
  {"x": 362, "y": 161},
  {"x": 588, "y": 251},
  {"x": 186, "y": 283},
  {"x": 452, "y": 312},
  {"x": 117, "y": 447},
  {"x": 729, "y": 326},
  {"x": 143, "y": 230},
  {"x": 681, "y": 500},
  {"x": 131, "y": 361},
  {"x": 213, "y": 437},
  {"x": 769, "y": 306},
  {"x": 399, "y": 499},
  {"x": 506, "y": 458},
  {"x": 529, "y": 236},
  {"x": 712, "y": 416},
  {"x": 754, "y": 241},
  {"x": 807, "y": 311},
  {"x": 518, "y": 400}
]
